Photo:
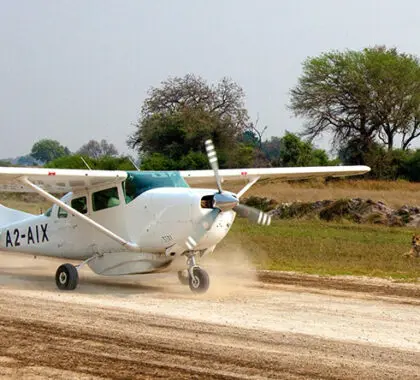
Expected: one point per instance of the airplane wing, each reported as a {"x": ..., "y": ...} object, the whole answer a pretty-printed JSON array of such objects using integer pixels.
[
  {"x": 56, "y": 180},
  {"x": 65, "y": 180},
  {"x": 199, "y": 176}
]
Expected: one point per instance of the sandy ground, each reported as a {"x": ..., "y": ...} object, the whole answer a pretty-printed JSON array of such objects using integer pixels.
[{"x": 277, "y": 326}]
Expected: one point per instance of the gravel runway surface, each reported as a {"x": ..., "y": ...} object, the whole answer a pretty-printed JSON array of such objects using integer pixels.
[{"x": 150, "y": 326}]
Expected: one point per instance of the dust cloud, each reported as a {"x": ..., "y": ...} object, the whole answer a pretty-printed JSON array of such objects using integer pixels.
[{"x": 231, "y": 272}]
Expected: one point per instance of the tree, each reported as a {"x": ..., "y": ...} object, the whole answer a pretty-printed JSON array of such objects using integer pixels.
[
  {"x": 46, "y": 150},
  {"x": 26, "y": 160},
  {"x": 96, "y": 149},
  {"x": 411, "y": 166},
  {"x": 385, "y": 164},
  {"x": 179, "y": 116},
  {"x": 256, "y": 133},
  {"x": 271, "y": 149},
  {"x": 365, "y": 96},
  {"x": 295, "y": 152}
]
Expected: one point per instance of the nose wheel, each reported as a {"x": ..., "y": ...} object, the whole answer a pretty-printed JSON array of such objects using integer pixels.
[
  {"x": 198, "y": 280},
  {"x": 196, "y": 277}
]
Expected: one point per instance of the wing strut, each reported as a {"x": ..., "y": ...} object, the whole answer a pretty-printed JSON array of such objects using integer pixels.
[
  {"x": 130, "y": 246},
  {"x": 252, "y": 182}
]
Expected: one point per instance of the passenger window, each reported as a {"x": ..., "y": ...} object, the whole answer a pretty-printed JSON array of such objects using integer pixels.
[
  {"x": 61, "y": 213},
  {"x": 105, "y": 199},
  {"x": 80, "y": 204}
]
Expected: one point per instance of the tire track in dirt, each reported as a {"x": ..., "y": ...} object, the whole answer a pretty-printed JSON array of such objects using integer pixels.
[
  {"x": 285, "y": 326},
  {"x": 61, "y": 340},
  {"x": 378, "y": 287}
]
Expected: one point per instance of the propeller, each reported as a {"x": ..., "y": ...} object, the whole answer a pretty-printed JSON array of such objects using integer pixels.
[
  {"x": 227, "y": 201},
  {"x": 222, "y": 201}
]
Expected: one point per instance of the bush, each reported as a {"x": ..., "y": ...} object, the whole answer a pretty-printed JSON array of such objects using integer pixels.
[
  {"x": 194, "y": 161},
  {"x": 104, "y": 163},
  {"x": 158, "y": 161},
  {"x": 264, "y": 204}
]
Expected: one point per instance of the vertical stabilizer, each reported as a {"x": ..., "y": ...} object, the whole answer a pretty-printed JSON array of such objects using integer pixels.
[{"x": 10, "y": 215}]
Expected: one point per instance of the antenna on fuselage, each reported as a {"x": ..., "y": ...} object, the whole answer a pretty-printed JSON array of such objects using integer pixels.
[
  {"x": 85, "y": 163},
  {"x": 132, "y": 161}
]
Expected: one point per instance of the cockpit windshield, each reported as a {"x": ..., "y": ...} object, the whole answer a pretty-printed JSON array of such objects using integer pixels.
[{"x": 139, "y": 182}]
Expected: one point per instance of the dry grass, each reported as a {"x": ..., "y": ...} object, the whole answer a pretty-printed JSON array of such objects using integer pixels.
[
  {"x": 393, "y": 193},
  {"x": 30, "y": 202}
]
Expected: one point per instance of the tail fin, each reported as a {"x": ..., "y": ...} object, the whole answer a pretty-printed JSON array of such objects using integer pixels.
[{"x": 10, "y": 215}]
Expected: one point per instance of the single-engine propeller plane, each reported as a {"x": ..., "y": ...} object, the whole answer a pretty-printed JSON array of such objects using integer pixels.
[{"x": 134, "y": 222}]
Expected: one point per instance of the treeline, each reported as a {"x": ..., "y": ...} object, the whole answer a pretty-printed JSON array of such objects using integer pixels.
[
  {"x": 367, "y": 102},
  {"x": 100, "y": 155}
]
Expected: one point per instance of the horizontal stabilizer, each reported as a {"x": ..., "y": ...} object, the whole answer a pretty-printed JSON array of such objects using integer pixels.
[{"x": 10, "y": 215}]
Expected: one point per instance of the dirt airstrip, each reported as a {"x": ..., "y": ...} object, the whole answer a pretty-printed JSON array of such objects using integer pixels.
[{"x": 247, "y": 327}]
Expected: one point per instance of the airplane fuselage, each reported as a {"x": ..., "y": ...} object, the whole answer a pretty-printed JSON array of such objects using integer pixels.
[{"x": 156, "y": 220}]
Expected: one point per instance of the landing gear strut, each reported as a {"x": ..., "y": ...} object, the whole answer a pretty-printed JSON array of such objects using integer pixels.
[
  {"x": 197, "y": 278},
  {"x": 67, "y": 277}
]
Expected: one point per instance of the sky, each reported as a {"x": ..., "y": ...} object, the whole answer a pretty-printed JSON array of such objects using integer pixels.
[{"x": 75, "y": 70}]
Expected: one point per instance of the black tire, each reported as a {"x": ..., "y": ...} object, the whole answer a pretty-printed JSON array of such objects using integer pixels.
[
  {"x": 183, "y": 279},
  {"x": 67, "y": 277},
  {"x": 200, "y": 281}
]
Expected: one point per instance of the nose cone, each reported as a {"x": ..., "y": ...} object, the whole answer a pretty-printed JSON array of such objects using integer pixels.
[{"x": 225, "y": 201}]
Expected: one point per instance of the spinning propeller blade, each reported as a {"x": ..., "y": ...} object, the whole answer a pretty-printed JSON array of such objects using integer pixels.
[
  {"x": 211, "y": 154},
  {"x": 253, "y": 215},
  {"x": 227, "y": 201},
  {"x": 205, "y": 224}
]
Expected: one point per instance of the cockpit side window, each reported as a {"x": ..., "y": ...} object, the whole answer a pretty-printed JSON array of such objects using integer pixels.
[
  {"x": 105, "y": 199},
  {"x": 48, "y": 212},
  {"x": 80, "y": 204}
]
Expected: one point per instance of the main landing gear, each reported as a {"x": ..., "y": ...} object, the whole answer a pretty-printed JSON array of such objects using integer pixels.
[
  {"x": 196, "y": 277},
  {"x": 67, "y": 277}
]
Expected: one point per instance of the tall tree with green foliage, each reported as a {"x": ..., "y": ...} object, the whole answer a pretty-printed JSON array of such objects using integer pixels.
[
  {"x": 290, "y": 150},
  {"x": 177, "y": 117},
  {"x": 46, "y": 150},
  {"x": 295, "y": 152},
  {"x": 366, "y": 96}
]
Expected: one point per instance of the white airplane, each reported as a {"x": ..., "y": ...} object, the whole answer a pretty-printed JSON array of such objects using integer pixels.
[{"x": 134, "y": 222}]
